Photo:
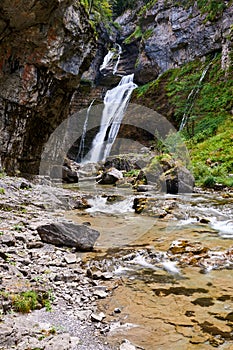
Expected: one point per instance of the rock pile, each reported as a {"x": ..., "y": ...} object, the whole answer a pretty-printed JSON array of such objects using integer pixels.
[{"x": 29, "y": 264}]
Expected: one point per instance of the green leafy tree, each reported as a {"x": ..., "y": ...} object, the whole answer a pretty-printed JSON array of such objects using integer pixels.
[{"x": 98, "y": 9}]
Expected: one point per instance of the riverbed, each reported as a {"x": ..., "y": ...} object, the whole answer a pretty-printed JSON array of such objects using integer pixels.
[{"x": 175, "y": 270}]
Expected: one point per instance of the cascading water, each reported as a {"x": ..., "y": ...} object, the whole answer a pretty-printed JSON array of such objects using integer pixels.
[
  {"x": 118, "y": 59},
  {"x": 115, "y": 104},
  {"x": 191, "y": 98},
  {"x": 114, "y": 53},
  {"x": 82, "y": 142},
  {"x": 107, "y": 60}
]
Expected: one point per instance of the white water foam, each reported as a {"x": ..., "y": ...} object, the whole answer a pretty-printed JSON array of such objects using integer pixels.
[
  {"x": 225, "y": 228},
  {"x": 170, "y": 266},
  {"x": 141, "y": 261},
  {"x": 101, "y": 205}
]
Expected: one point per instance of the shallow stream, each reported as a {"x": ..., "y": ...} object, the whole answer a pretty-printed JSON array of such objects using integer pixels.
[{"x": 174, "y": 273}]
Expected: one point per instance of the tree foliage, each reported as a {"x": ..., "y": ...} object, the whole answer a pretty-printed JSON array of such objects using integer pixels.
[
  {"x": 119, "y": 6},
  {"x": 98, "y": 9}
]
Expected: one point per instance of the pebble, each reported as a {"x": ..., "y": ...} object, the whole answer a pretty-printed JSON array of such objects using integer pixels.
[
  {"x": 117, "y": 310},
  {"x": 97, "y": 317},
  {"x": 70, "y": 258},
  {"x": 126, "y": 345},
  {"x": 101, "y": 294}
]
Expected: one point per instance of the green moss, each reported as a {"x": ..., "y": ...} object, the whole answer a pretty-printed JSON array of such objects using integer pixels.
[
  {"x": 209, "y": 131},
  {"x": 2, "y": 190},
  {"x": 25, "y": 301},
  {"x": 28, "y": 301},
  {"x": 147, "y": 34},
  {"x": 149, "y": 87},
  {"x": 211, "y": 104},
  {"x": 132, "y": 173},
  {"x": 147, "y": 7},
  {"x": 137, "y": 34},
  {"x": 213, "y": 8}
]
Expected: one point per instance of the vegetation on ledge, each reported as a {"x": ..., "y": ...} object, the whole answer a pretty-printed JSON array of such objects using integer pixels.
[{"x": 208, "y": 132}]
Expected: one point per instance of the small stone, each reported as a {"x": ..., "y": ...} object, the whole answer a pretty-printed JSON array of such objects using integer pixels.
[
  {"x": 20, "y": 237},
  {"x": 107, "y": 275},
  {"x": 25, "y": 185},
  {"x": 7, "y": 239},
  {"x": 117, "y": 310},
  {"x": 97, "y": 317},
  {"x": 83, "y": 315},
  {"x": 204, "y": 221},
  {"x": 101, "y": 294},
  {"x": 35, "y": 244},
  {"x": 70, "y": 258},
  {"x": 59, "y": 342},
  {"x": 74, "y": 341},
  {"x": 126, "y": 345}
]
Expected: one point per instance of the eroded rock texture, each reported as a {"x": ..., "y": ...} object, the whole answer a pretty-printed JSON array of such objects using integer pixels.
[
  {"x": 175, "y": 34},
  {"x": 44, "y": 48}
]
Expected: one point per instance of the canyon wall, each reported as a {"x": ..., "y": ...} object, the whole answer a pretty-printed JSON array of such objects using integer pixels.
[
  {"x": 45, "y": 46},
  {"x": 169, "y": 35}
]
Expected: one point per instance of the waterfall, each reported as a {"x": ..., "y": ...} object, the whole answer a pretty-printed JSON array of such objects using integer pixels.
[
  {"x": 118, "y": 59},
  {"x": 113, "y": 54},
  {"x": 115, "y": 103},
  {"x": 107, "y": 60},
  {"x": 191, "y": 98},
  {"x": 82, "y": 142}
]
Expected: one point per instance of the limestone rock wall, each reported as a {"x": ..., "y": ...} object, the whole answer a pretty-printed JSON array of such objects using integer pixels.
[
  {"x": 45, "y": 46},
  {"x": 174, "y": 34}
]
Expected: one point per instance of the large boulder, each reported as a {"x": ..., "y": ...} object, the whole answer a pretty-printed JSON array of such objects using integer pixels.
[
  {"x": 68, "y": 234},
  {"x": 178, "y": 179},
  {"x": 169, "y": 175},
  {"x": 110, "y": 177},
  {"x": 70, "y": 171}
]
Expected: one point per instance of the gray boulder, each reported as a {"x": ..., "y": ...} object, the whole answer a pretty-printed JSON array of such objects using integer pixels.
[
  {"x": 68, "y": 234},
  {"x": 110, "y": 177}
]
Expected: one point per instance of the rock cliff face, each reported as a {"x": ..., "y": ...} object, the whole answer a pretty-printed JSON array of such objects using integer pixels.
[
  {"x": 169, "y": 35},
  {"x": 44, "y": 48}
]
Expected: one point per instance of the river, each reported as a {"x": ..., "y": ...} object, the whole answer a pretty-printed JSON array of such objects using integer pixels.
[{"x": 174, "y": 272}]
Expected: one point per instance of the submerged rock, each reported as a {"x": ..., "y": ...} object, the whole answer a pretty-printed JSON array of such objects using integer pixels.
[{"x": 69, "y": 234}]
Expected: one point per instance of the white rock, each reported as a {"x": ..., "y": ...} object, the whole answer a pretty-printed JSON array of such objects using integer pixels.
[
  {"x": 127, "y": 346},
  {"x": 70, "y": 258},
  {"x": 83, "y": 315},
  {"x": 100, "y": 294},
  {"x": 98, "y": 317}
]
